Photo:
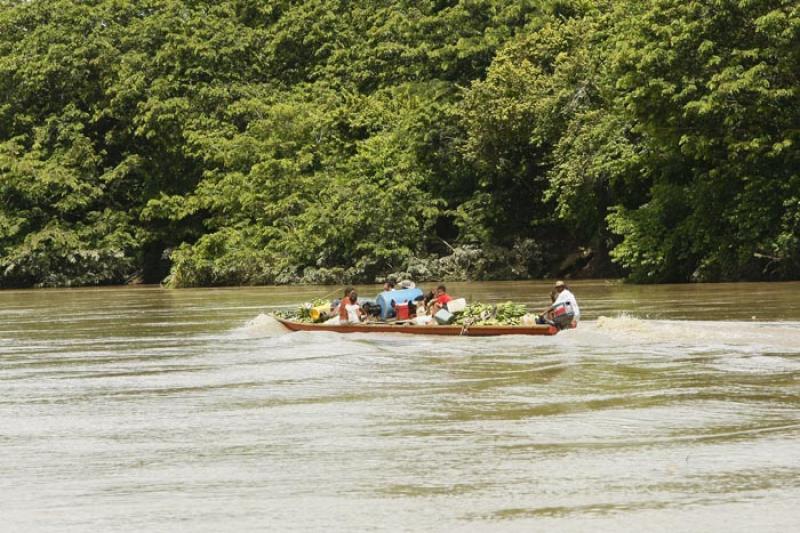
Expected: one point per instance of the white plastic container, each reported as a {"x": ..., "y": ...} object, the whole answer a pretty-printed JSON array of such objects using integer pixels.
[
  {"x": 457, "y": 305},
  {"x": 443, "y": 316}
]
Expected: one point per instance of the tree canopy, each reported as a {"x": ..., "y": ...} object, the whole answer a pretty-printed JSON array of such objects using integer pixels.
[{"x": 248, "y": 142}]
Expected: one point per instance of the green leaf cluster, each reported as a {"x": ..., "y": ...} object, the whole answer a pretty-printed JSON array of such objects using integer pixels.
[{"x": 250, "y": 142}]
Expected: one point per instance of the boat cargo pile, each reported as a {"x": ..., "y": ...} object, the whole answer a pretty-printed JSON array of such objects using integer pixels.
[{"x": 473, "y": 320}]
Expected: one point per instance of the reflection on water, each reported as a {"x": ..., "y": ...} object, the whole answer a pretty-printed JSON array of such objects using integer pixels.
[{"x": 669, "y": 408}]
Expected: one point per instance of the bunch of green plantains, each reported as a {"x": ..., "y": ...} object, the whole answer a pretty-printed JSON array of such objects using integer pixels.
[
  {"x": 315, "y": 311},
  {"x": 504, "y": 314}
]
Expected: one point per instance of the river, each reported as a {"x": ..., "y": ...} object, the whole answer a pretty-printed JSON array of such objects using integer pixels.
[{"x": 670, "y": 408}]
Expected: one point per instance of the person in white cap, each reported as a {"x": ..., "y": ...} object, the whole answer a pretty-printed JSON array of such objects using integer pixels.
[{"x": 563, "y": 295}]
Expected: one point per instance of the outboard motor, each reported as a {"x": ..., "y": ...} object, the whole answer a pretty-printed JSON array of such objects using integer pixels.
[
  {"x": 562, "y": 315},
  {"x": 371, "y": 309}
]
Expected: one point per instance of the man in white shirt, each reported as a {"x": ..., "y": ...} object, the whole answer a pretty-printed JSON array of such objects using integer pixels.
[
  {"x": 565, "y": 295},
  {"x": 562, "y": 296}
]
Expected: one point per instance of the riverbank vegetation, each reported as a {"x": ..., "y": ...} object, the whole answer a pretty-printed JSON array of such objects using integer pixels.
[{"x": 324, "y": 141}]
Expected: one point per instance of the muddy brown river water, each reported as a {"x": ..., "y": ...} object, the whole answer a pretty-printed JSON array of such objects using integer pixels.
[{"x": 670, "y": 408}]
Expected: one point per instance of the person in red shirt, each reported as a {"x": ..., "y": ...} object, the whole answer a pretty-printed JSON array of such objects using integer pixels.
[{"x": 440, "y": 299}]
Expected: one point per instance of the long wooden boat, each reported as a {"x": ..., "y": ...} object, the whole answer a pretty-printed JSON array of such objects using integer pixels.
[{"x": 383, "y": 327}]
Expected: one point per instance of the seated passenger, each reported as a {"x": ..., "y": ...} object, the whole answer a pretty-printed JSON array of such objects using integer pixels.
[
  {"x": 440, "y": 299},
  {"x": 342, "y": 308},
  {"x": 427, "y": 302},
  {"x": 353, "y": 311},
  {"x": 562, "y": 296},
  {"x": 417, "y": 306}
]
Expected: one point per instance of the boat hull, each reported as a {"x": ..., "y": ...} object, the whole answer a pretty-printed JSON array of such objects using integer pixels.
[{"x": 473, "y": 331}]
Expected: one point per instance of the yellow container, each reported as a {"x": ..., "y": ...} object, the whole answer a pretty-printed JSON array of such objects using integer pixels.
[{"x": 318, "y": 313}]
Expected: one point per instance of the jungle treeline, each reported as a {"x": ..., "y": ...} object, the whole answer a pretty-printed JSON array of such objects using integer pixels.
[{"x": 232, "y": 142}]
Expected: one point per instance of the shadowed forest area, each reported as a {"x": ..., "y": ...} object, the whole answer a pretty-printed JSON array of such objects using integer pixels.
[{"x": 327, "y": 141}]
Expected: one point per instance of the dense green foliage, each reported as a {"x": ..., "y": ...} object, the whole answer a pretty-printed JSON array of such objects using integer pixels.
[{"x": 242, "y": 141}]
